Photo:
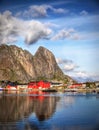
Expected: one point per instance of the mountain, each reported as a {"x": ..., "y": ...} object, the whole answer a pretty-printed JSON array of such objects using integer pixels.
[
  {"x": 19, "y": 65},
  {"x": 84, "y": 79}
]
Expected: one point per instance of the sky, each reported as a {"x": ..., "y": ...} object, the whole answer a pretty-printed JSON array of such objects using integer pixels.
[{"x": 68, "y": 28}]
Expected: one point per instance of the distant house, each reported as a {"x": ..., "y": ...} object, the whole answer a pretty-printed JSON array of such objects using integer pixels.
[
  {"x": 22, "y": 87},
  {"x": 9, "y": 85},
  {"x": 73, "y": 86},
  {"x": 39, "y": 85},
  {"x": 56, "y": 84},
  {"x": 83, "y": 85}
]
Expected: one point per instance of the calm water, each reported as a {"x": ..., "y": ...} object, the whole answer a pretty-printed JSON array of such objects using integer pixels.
[{"x": 49, "y": 111}]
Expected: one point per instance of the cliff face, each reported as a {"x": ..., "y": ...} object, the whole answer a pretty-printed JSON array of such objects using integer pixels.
[
  {"x": 19, "y": 65},
  {"x": 45, "y": 64}
]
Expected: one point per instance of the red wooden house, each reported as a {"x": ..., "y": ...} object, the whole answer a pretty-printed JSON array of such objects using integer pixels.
[{"x": 39, "y": 85}]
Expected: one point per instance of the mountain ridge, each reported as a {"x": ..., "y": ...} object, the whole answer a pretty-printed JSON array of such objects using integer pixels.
[{"x": 20, "y": 65}]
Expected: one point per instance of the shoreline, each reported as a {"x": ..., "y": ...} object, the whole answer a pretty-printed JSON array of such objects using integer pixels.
[{"x": 82, "y": 90}]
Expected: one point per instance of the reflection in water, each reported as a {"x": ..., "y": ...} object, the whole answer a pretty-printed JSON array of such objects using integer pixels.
[
  {"x": 43, "y": 106},
  {"x": 44, "y": 111},
  {"x": 15, "y": 107}
]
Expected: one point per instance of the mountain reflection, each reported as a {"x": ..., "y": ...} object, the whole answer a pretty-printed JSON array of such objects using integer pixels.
[
  {"x": 47, "y": 111},
  {"x": 14, "y": 108}
]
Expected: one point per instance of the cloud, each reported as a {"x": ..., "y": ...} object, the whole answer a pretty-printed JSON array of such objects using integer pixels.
[
  {"x": 63, "y": 61},
  {"x": 83, "y": 13},
  {"x": 75, "y": 36},
  {"x": 8, "y": 29},
  {"x": 66, "y": 65},
  {"x": 36, "y": 31},
  {"x": 70, "y": 67},
  {"x": 83, "y": 76},
  {"x": 59, "y": 10},
  {"x": 52, "y": 25},
  {"x": 36, "y": 11},
  {"x": 86, "y": 75},
  {"x": 64, "y": 34},
  {"x": 11, "y": 28}
]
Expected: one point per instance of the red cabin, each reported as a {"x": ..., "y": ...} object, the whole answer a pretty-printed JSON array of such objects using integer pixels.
[{"x": 39, "y": 85}]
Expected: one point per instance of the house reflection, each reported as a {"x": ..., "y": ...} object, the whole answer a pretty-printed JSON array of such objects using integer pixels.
[
  {"x": 14, "y": 108},
  {"x": 44, "y": 106}
]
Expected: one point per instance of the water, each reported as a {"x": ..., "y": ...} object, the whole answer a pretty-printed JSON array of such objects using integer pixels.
[{"x": 49, "y": 111}]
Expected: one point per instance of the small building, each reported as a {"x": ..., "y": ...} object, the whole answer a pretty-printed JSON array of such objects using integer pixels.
[
  {"x": 83, "y": 85},
  {"x": 11, "y": 86},
  {"x": 73, "y": 86},
  {"x": 39, "y": 85},
  {"x": 56, "y": 84},
  {"x": 22, "y": 87}
]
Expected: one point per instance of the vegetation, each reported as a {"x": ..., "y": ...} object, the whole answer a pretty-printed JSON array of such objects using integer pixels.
[
  {"x": 90, "y": 85},
  {"x": 41, "y": 78}
]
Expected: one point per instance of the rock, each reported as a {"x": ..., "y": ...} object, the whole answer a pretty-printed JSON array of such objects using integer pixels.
[
  {"x": 45, "y": 64},
  {"x": 19, "y": 65}
]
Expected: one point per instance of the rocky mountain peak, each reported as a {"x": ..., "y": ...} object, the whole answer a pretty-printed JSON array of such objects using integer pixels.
[
  {"x": 42, "y": 51},
  {"x": 17, "y": 64}
]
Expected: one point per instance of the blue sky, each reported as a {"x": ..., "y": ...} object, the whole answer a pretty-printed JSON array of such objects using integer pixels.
[{"x": 68, "y": 28}]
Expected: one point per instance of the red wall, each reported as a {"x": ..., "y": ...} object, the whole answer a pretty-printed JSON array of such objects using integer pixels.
[{"x": 40, "y": 84}]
